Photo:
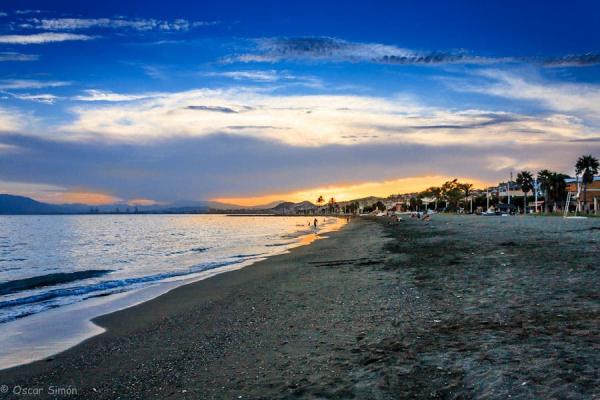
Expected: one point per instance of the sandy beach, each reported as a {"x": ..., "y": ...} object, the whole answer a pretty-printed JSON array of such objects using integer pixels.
[{"x": 460, "y": 307}]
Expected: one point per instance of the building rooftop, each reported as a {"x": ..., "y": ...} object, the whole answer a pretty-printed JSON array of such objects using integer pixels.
[{"x": 573, "y": 180}]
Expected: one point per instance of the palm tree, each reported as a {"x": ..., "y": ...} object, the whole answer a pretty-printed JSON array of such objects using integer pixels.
[
  {"x": 559, "y": 186},
  {"x": 545, "y": 180},
  {"x": 466, "y": 188},
  {"x": 450, "y": 192},
  {"x": 320, "y": 200},
  {"x": 554, "y": 186},
  {"x": 332, "y": 204},
  {"x": 525, "y": 180},
  {"x": 587, "y": 166},
  {"x": 436, "y": 192}
]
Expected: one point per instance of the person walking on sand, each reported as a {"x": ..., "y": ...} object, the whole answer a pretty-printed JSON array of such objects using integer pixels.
[{"x": 315, "y": 222}]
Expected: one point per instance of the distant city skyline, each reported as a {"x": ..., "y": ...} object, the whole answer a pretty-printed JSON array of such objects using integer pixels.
[{"x": 248, "y": 103}]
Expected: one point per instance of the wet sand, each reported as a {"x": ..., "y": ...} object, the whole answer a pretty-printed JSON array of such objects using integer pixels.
[{"x": 461, "y": 307}]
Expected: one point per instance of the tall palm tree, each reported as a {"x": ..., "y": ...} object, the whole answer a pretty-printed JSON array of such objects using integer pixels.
[
  {"x": 525, "y": 180},
  {"x": 559, "y": 186},
  {"x": 332, "y": 204},
  {"x": 320, "y": 202},
  {"x": 587, "y": 167},
  {"x": 466, "y": 188},
  {"x": 545, "y": 179},
  {"x": 450, "y": 192}
]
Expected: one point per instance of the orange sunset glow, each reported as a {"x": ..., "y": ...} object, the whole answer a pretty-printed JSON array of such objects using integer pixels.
[
  {"x": 78, "y": 197},
  {"x": 347, "y": 192},
  {"x": 142, "y": 202}
]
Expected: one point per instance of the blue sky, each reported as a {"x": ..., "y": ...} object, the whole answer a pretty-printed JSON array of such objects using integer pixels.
[{"x": 251, "y": 101}]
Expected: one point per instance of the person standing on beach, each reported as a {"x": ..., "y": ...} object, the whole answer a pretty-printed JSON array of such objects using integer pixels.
[{"x": 315, "y": 223}]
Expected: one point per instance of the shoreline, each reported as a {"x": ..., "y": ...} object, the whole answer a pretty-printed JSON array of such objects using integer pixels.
[
  {"x": 120, "y": 325},
  {"x": 457, "y": 307},
  {"x": 46, "y": 334}
]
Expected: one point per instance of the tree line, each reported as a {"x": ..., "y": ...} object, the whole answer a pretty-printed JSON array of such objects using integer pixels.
[{"x": 551, "y": 183}]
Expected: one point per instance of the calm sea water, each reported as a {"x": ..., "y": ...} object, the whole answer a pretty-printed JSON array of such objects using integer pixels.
[{"x": 53, "y": 261}]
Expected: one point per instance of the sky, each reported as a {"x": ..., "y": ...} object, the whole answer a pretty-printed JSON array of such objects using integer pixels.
[{"x": 250, "y": 102}]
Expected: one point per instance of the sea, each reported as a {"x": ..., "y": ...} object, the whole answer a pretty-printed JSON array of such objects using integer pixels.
[{"x": 59, "y": 271}]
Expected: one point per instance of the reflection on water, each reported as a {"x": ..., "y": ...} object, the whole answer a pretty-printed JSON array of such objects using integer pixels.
[
  {"x": 59, "y": 272},
  {"x": 308, "y": 239},
  {"x": 52, "y": 261}
]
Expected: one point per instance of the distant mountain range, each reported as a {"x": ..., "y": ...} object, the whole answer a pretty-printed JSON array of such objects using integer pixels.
[
  {"x": 288, "y": 207},
  {"x": 11, "y": 204}
]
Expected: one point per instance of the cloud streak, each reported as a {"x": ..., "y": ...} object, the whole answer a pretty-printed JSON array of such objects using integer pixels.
[
  {"x": 18, "y": 84},
  {"x": 578, "y": 99},
  {"x": 12, "y": 56},
  {"x": 573, "y": 60},
  {"x": 41, "y": 38},
  {"x": 253, "y": 75},
  {"x": 270, "y": 76},
  {"x": 338, "y": 50},
  {"x": 14, "y": 120},
  {"x": 95, "y": 95},
  {"x": 44, "y": 98},
  {"x": 137, "y": 24},
  {"x": 329, "y": 49}
]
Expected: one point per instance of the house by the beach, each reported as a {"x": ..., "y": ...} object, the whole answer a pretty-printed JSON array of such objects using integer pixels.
[
  {"x": 397, "y": 207},
  {"x": 592, "y": 195},
  {"x": 427, "y": 200},
  {"x": 512, "y": 188}
]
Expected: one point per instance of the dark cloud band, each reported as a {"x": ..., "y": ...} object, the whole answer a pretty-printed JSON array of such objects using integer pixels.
[{"x": 328, "y": 49}]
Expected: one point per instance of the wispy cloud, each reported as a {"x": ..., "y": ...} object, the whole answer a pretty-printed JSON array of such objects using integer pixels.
[
  {"x": 25, "y": 12},
  {"x": 221, "y": 109},
  {"x": 333, "y": 49},
  {"x": 137, "y": 24},
  {"x": 13, "y": 120},
  {"x": 45, "y": 98},
  {"x": 269, "y": 76},
  {"x": 155, "y": 72},
  {"x": 578, "y": 99},
  {"x": 256, "y": 75},
  {"x": 12, "y": 56},
  {"x": 17, "y": 84},
  {"x": 328, "y": 49},
  {"x": 40, "y": 38},
  {"x": 108, "y": 96},
  {"x": 573, "y": 60}
]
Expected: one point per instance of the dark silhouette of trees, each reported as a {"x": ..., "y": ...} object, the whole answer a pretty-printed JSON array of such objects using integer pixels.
[
  {"x": 525, "y": 180},
  {"x": 587, "y": 167}
]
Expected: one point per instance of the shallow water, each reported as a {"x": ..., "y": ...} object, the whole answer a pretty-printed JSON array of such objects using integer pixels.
[
  {"x": 57, "y": 273},
  {"x": 53, "y": 261}
]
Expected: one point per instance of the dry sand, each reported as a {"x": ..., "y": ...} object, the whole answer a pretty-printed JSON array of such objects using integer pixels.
[{"x": 461, "y": 307}]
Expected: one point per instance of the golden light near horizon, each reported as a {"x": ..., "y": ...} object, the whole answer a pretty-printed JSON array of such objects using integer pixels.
[
  {"x": 142, "y": 202},
  {"x": 347, "y": 192},
  {"x": 78, "y": 197}
]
